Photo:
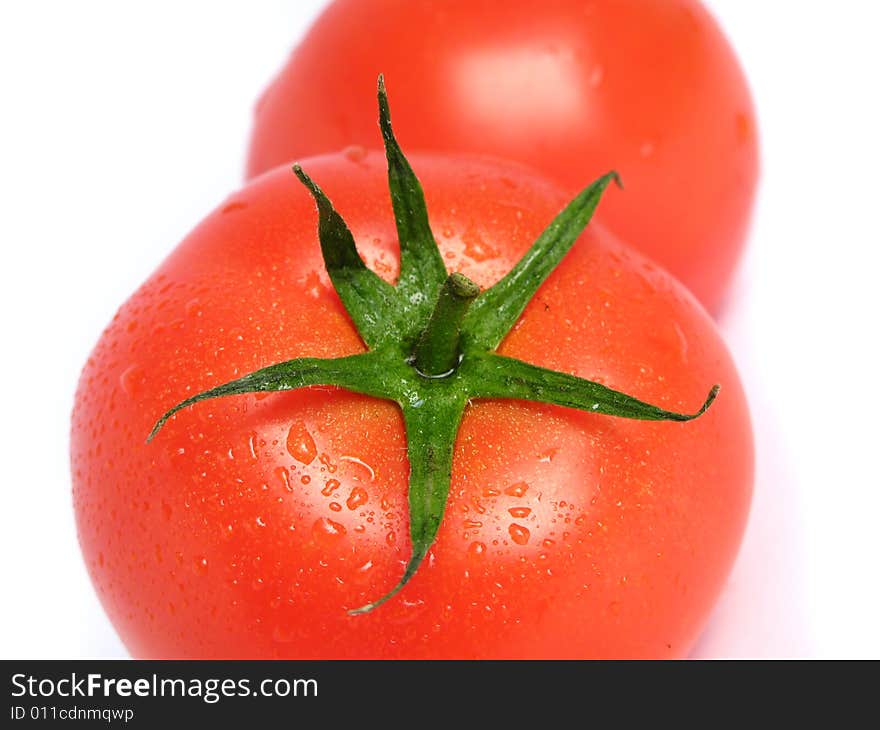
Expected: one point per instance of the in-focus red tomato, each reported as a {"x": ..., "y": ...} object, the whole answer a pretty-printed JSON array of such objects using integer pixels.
[
  {"x": 650, "y": 88},
  {"x": 251, "y": 523}
]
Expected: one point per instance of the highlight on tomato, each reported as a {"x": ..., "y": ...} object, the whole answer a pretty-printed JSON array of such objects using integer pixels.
[{"x": 454, "y": 422}]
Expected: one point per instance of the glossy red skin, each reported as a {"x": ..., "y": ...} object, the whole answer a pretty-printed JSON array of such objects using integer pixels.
[
  {"x": 218, "y": 540},
  {"x": 650, "y": 88}
]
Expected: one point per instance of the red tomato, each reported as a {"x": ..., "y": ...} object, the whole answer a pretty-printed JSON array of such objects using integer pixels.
[
  {"x": 650, "y": 88},
  {"x": 251, "y": 523}
]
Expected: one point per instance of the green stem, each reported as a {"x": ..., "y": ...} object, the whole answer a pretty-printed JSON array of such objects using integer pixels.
[{"x": 437, "y": 352}]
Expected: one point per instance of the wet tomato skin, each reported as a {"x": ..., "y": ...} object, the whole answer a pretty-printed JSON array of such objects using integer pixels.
[
  {"x": 651, "y": 88},
  {"x": 251, "y": 523}
]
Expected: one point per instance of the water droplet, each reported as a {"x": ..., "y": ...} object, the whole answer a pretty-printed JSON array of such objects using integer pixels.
[
  {"x": 519, "y": 534},
  {"x": 327, "y": 531},
  {"x": 329, "y": 465},
  {"x": 477, "y": 248},
  {"x": 201, "y": 565},
  {"x": 300, "y": 443},
  {"x": 520, "y": 512},
  {"x": 547, "y": 456},
  {"x": 313, "y": 285},
  {"x": 476, "y": 549},
  {"x": 233, "y": 206},
  {"x": 391, "y": 537},
  {"x": 517, "y": 490},
  {"x": 130, "y": 380},
  {"x": 682, "y": 342},
  {"x": 336, "y": 507},
  {"x": 355, "y": 153},
  {"x": 193, "y": 308},
  {"x": 365, "y": 465},
  {"x": 357, "y": 498},
  {"x": 283, "y": 475},
  {"x": 331, "y": 486},
  {"x": 491, "y": 492},
  {"x": 260, "y": 522},
  {"x": 472, "y": 525},
  {"x": 305, "y": 479}
]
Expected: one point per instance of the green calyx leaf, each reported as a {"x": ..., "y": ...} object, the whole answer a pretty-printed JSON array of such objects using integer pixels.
[
  {"x": 361, "y": 373},
  {"x": 497, "y": 309},
  {"x": 372, "y": 303},
  {"x": 431, "y": 340},
  {"x": 422, "y": 271},
  {"x": 495, "y": 376},
  {"x": 431, "y": 428}
]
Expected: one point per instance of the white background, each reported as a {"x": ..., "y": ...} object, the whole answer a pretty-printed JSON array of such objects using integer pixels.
[{"x": 121, "y": 124}]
